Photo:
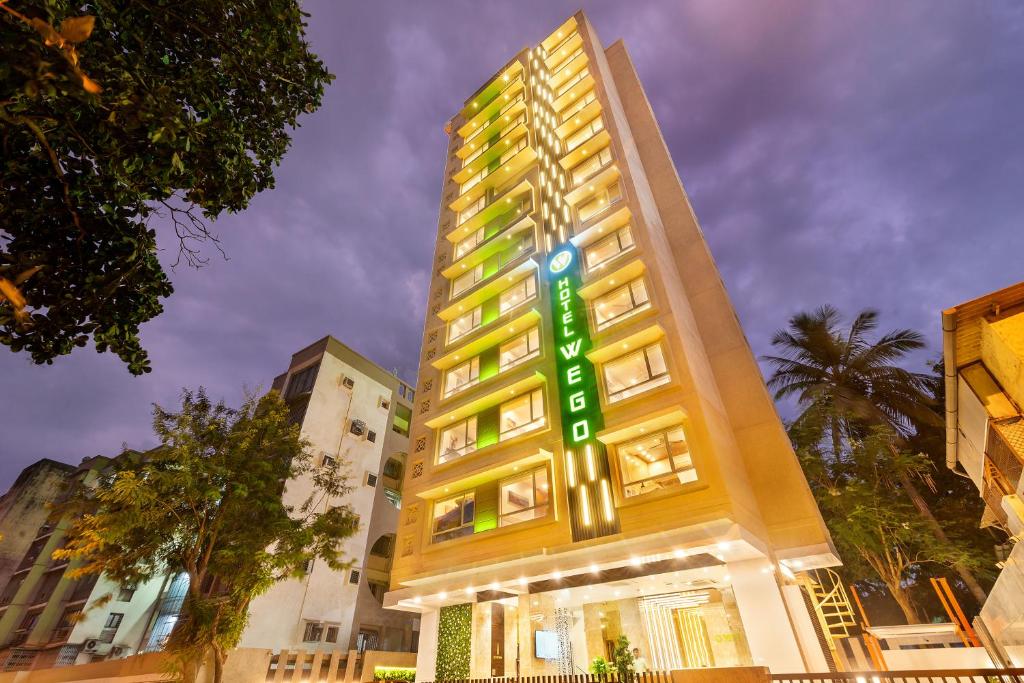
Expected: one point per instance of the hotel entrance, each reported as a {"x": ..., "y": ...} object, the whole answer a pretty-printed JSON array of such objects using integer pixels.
[{"x": 679, "y": 620}]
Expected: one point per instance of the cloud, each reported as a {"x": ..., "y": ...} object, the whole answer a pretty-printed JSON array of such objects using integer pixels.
[{"x": 864, "y": 154}]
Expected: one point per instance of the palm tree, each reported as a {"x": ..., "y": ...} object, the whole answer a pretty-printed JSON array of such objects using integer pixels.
[{"x": 845, "y": 383}]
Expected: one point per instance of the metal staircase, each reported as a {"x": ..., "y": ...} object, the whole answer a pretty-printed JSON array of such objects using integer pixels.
[{"x": 830, "y": 602}]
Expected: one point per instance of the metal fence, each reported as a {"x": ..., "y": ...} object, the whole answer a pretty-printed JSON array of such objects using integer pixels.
[
  {"x": 910, "y": 676},
  {"x": 647, "y": 677}
]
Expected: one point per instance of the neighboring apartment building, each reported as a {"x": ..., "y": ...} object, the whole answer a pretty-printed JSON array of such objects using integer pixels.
[
  {"x": 355, "y": 412},
  {"x": 351, "y": 411},
  {"x": 23, "y": 509},
  {"x": 983, "y": 348},
  {"x": 48, "y": 619},
  {"x": 594, "y": 450}
]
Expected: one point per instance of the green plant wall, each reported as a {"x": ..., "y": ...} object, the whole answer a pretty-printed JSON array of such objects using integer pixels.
[{"x": 454, "y": 642}]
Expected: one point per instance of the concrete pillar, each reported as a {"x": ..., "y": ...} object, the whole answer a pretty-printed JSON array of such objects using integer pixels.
[
  {"x": 804, "y": 627},
  {"x": 426, "y": 657},
  {"x": 766, "y": 622}
]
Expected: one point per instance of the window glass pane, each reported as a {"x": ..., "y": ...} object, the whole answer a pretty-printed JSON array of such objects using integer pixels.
[
  {"x": 468, "y": 243},
  {"x": 458, "y": 440},
  {"x": 467, "y": 279},
  {"x": 462, "y": 376},
  {"x": 517, "y": 294},
  {"x": 464, "y": 324},
  {"x": 608, "y": 247},
  {"x": 453, "y": 517},
  {"x": 522, "y": 414},
  {"x": 635, "y": 372},
  {"x": 519, "y": 349},
  {"x": 655, "y": 462},
  {"x": 524, "y": 498},
  {"x": 656, "y": 360}
]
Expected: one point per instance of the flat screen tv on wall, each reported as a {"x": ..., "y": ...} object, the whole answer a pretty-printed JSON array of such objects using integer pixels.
[{"x": 545, "y": 644}]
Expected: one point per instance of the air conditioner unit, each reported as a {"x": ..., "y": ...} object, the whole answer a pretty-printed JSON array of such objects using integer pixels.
[
  {"x": 118, "y": 651},
  {"x": 358, "y": 427},
  {"x": 95, "y": 646}
]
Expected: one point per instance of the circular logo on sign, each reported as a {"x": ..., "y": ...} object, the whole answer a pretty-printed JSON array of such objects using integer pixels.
[{"x": 560, "y": 261}]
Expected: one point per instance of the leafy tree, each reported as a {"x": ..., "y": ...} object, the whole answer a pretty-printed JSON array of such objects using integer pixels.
[
  {"x": 114, "y": 113},
  {"x": 622, "y": 658},
  {"x": 876, "y": 530},
  {"x": 210, "y": 501},
  {"x": 846, "y": 383}
]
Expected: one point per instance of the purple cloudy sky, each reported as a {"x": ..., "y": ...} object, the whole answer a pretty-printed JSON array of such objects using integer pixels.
[{"x": 856, "y": 153}]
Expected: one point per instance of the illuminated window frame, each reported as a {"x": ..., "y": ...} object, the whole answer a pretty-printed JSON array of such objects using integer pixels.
[
  {"x": 652, "y": 380},
  {"x": 474, "y": 376},
  {"x": 638, "y": 306},
  {"x": 505, "y": 519},
  {"x": 465, "y": 528},
  {"x": 538, "y": 418},
  {"x": 623, "y": 238},
  {"x": 476, "y": 321},
  {"x": 467, "y": 425},
  {"x": 673, "y": 473},
  {"x": 532, "y": 337}
]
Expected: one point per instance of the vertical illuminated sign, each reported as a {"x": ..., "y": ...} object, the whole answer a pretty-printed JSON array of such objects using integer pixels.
[{"x": 586, "y": 460}]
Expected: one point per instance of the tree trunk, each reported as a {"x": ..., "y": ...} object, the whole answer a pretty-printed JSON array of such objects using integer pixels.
[
  {"x": 902, "y": 599},
  {"x": 922, "y": 506},
  {"x": 218, "y": 664},
  {"x": 837, "y": 440}
]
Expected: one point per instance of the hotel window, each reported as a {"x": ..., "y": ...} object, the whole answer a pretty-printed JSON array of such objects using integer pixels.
[
  {"x": 313, "y": 632},
  {"x": 467, "y": 244},
  {"x": 457, "y": 440},
  {"x": 524, "y": 497},
  {"x": 524, "y": 245},
  {"x": 565, "y": 87},
  {"x": 655, "y": 462},
  {"x": 472, "y": 210},
  {"x": 464, "y": 324},
  {"x": 522, "y": 414},
  {"x": 467, "y": 279},
  {"x": 524, "y": 290},
  {"x": 635, "y": 373},
  {"x": 519, "y": 350},
  {"x": 591, "y": 165},
  {"x": 453, "y": 517},
  {"x": 577, "y": 106},
  {"x": 462, "y": 376},
  {"x": 607, "y": 248},
  {"x": 302, "y": 381},
  {"x": 584, "y": 134},
  {"x": 620, "y": 303},
  {"x": 598, "y": 203}
]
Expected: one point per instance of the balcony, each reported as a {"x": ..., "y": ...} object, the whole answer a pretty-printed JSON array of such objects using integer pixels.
[
  {"x": 514, "y": 327},
  {"x": 560, "y": 53},
  {"x": 488, "y": 290},
  {"x": 598, "y": 141},
  {"x": 568, "y": 69},
  {"x": 509, "y": 169},
  {"x": 490, "y": 246},
  {"x": 487, "y": 94},
  {"x": 579, "y": 118},
  {"x": 516, "y": 109},
  {"x": 491, "y": 152},
  {"x": 490, "y": 210},
  {"x": 573, "y": 89},
  {"x": 478, "y": 404},
  {"x": 602, "y": 177},
  {"x": 485, "y": 113}
]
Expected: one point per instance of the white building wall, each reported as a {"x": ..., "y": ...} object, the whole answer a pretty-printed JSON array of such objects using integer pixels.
[
  {"x": 769, "y": 632},
  {"x": 277, "y": 618},
  {"x": 138, "y": 612},
  {"x": 972, "y": 427}
]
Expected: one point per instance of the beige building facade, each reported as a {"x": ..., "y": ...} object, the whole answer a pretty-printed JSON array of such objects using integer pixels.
[
  {"x": 983, "y": 350},
  {"x": 355, "y": 413},
  {"x": 594, "y": 453}
]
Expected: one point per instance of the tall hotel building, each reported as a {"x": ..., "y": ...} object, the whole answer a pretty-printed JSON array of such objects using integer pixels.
[{"x": 593, "y": 451}]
